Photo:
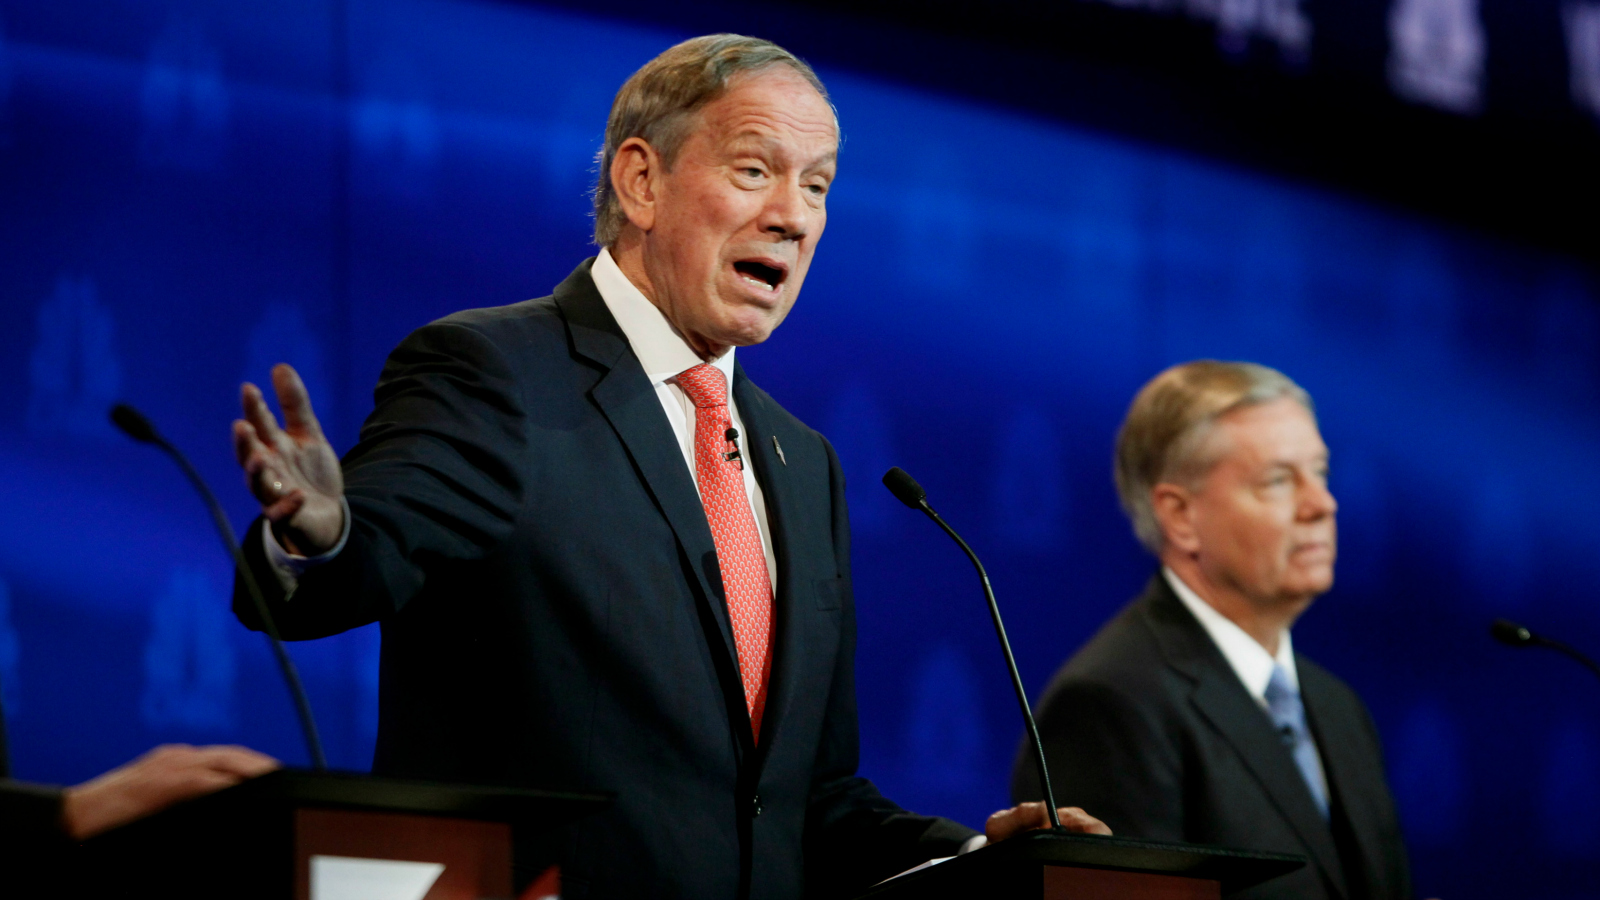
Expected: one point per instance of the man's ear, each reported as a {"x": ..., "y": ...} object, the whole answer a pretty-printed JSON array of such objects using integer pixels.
[
  {"x": 635, "y": 171},
  {"x": 1174, "y": 508}
]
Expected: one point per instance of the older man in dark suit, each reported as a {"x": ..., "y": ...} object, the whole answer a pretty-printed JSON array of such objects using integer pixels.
[
  {"x": 601, "y": 556},
  {"x": 1189, "y": 717}
]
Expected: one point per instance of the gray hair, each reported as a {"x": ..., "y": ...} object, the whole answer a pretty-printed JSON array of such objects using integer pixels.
[
  {"x": 658, "y": 103},
  {"x": 1165, "y": 431}
]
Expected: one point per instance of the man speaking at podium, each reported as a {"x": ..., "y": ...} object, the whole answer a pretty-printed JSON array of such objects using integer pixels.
[{"x": 600, "y": 555}]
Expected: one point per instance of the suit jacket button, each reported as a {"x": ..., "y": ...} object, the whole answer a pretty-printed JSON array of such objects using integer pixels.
[{"x": 755, "y": 806}]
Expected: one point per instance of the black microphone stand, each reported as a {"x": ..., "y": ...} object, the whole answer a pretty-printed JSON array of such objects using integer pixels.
[
  {"x": 1514, "y": 635},
  {"x": 904, "y": 487},
  {"x": 135, "y": 425}
]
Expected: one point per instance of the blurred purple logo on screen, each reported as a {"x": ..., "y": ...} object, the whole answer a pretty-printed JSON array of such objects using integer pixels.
[
  {"x": 184, "y": 101},
  {"x": 74, "y": 374},
  {"x": 189, "y": 662},
  {"x": 1436, "y": 53},
  {"x": 1583, "y": 54}
]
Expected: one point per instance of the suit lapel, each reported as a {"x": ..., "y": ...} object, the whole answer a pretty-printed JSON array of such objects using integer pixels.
[
  {"x": 1349, "y": 771},
  {"x": 1224, "y": 702},
  {"x": 778, "y": 491},
  {"x": 629, "y": 403}
]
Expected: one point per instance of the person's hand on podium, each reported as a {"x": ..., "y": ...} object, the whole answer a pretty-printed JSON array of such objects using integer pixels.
[
  {"x": 292, "y": 471},
  {"x": 1033, "y": 816},
  {"x": 166, "y": 775}
]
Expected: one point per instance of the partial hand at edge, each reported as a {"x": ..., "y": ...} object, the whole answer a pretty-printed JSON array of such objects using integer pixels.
[
  {"x": 292, "y": 471},
  {"x": 166, "y": 775},
  {"x": 1033, "y": 816}
]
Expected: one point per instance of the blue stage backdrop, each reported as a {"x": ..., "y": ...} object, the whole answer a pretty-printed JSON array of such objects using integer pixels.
[{"x": 194, "y": 191}]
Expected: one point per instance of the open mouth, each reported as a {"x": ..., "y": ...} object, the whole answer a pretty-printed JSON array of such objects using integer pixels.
[{"x": 765, "y": 276}]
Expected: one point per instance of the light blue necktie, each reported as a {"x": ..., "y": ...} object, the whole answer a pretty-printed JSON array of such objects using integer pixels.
[{"x": 1289, "y": 717}]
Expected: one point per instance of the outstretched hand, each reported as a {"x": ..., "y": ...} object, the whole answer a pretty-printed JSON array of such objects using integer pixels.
[
  {"x": 1033, "y": 816},
  {"x": 155, "y": 781},
  {"x": 292, "y": 471}
]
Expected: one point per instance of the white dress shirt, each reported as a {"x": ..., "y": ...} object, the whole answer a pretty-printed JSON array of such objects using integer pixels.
[
  {"x": 1250, "y": 661},
  {"x": 663, "y": 353}
]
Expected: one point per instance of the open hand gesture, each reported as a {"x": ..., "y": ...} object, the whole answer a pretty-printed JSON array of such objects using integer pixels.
[{"x": 292, "y": 471}]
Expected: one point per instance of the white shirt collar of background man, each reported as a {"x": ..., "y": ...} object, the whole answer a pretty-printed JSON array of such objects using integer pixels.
[{"x": 1250, "y": 661}]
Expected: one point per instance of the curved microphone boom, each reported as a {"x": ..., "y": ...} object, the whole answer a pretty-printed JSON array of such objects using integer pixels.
[
  {"x": 907, "y": 491},
  {"x": 135, "y": 425},
  {"x": 1514, "y": 635}
]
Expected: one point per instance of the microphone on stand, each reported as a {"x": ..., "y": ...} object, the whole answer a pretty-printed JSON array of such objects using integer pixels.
[
  {"x": 135, "y": 425},
  {"x": 907, "y": 491},
  {"x": 1514, "y": 635}
]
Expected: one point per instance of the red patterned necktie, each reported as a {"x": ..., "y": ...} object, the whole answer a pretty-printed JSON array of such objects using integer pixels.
[{"x": 733, "y": 529}]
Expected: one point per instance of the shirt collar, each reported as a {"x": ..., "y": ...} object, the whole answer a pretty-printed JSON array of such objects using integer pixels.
[
  {"x": 1250, "y": 661},
  {"x": 661, "y": 350}
]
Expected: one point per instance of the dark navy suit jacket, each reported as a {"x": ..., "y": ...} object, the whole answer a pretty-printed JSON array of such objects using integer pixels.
[
  {"x": 525, "y": 529},
  {"x": 1150, "y": 729}
]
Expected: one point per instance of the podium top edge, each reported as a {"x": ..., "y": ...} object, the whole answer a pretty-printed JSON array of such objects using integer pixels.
[
  {"x": 304, "y": 788},
  {"x": 1234, "y": 869},
  {"x": 312, "y": 780},
  {"x": 1044, "y": 843}
]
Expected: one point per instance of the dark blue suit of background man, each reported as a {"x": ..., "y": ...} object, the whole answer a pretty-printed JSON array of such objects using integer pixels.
[
  {"x": 1190, "y": 716},
  {"x": 521, "y": 515}
]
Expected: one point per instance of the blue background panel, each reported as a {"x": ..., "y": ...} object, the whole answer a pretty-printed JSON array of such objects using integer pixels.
[{"x": 195, "y": 191}]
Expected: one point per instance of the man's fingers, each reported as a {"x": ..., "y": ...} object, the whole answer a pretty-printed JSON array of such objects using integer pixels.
[
  {"x": 244, "y": 441},
  {"x": 1075, "y": 819},
  {"x": 261, "y": 476},
  {"x": 241, "y": 762},
  {"x": 1032, "y": 815},
  {"x": 259, "y": 415},
  {"x": 1019, "y": 818},
  {"x": 285, "y": 507},
  {"x": 295, "y": 401},
  {"x": 165, "y": 775}
]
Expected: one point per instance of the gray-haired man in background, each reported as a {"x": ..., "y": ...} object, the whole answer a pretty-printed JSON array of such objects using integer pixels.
[{"x": 1189, "y": 717}]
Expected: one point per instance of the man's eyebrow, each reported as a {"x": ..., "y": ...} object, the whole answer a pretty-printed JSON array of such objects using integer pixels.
[
  {"x": 745, "y": 140},
  {"x": 832, "y": 159},
  {"x": 1291, "y": 464}
]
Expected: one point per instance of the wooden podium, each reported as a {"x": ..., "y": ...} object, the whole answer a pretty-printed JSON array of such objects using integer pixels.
[
  {"x": 1047, "y": 866},
  {"x": 272, "y": 837}
]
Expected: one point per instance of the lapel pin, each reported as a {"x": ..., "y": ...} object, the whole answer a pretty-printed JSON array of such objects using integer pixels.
[{"x": 779, "y": 447}]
